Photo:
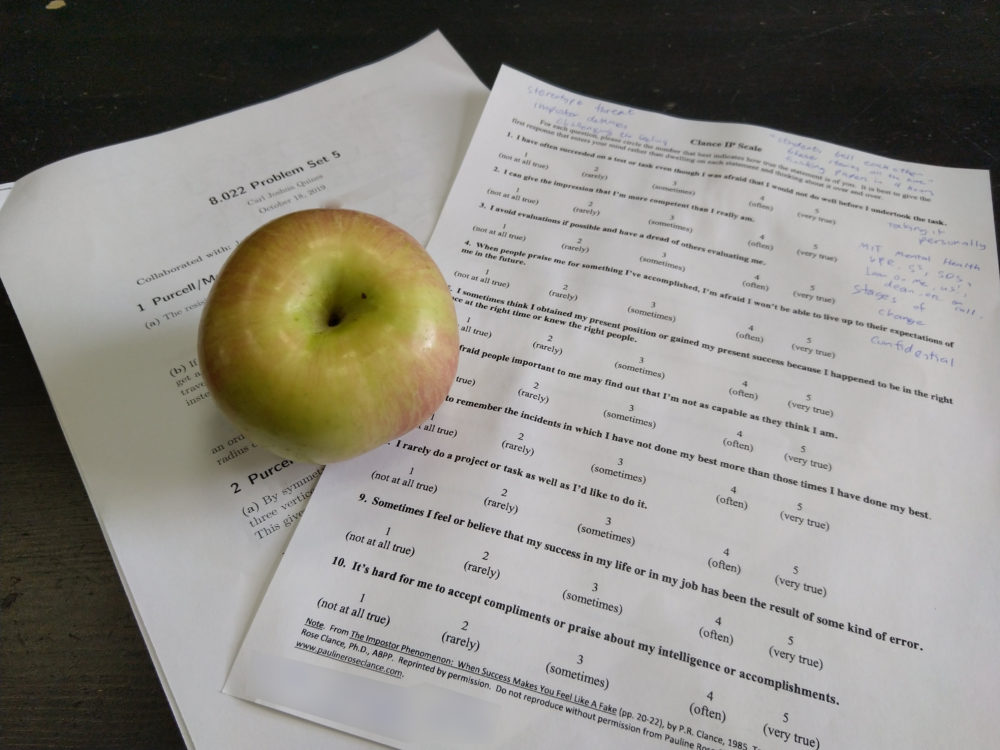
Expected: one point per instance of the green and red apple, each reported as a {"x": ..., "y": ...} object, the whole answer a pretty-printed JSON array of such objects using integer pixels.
[{"x": 326, "y": 333}]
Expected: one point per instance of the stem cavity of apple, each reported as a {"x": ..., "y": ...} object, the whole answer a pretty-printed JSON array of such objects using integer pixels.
[{"x": 337, "y": 314}]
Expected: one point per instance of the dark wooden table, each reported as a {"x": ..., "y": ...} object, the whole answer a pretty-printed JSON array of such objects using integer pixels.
[{"x": 910, "y": 80}]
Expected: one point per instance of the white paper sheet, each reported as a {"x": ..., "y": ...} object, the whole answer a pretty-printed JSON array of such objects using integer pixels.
[
  {"x": 719, "y": 468},
  {"x": 108, "y": 257}
]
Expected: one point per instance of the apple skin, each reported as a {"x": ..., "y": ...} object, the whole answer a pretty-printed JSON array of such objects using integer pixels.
[{"x": 326, "y": 333}]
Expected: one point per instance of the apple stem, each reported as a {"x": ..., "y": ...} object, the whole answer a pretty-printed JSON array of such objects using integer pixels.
[{"x": 335, "y": 314}]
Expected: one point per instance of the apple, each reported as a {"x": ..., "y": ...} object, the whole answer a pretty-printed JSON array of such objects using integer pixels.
[{"x": 326, "y": 333}]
